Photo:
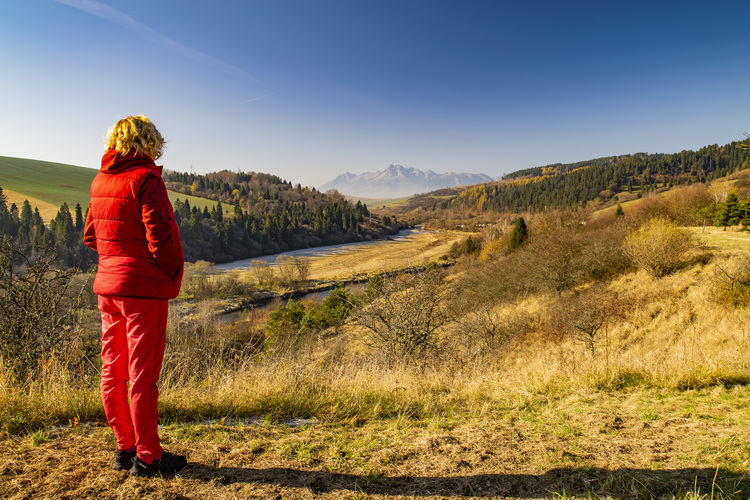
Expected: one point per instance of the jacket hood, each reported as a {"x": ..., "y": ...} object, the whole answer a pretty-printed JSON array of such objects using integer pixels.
[{"x": 114, "y": 162}]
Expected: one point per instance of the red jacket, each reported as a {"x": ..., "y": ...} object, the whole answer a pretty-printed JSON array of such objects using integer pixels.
[{"x": 131, "y": 225}]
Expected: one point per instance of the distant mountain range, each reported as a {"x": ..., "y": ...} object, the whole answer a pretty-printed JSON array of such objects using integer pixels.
[{"x": 397, "y": 181}]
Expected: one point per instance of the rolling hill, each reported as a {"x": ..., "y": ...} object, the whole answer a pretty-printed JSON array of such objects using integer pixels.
[{"x": 47, "y": 185}]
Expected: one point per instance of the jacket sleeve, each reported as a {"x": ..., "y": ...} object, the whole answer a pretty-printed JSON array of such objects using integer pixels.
[
  {"x": 89, "y": 233},
  {"x": 157, "y": 218}
]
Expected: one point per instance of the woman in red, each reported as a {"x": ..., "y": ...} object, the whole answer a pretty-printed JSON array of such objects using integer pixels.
[{"x": 131, "y": 225}]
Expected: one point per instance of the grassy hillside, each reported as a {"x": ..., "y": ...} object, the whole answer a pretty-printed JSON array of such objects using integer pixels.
[
  {"x": 660, "y": 411},
  {"x": 53, "y": 183},
  {"x": 564, "y": 368},
  {"x": 48, "y": 185}
]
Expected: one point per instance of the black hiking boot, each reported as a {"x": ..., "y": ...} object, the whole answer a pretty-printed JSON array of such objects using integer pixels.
[
  {"x": 168, "y": 464},
  {"x": 123, "y": 460}
]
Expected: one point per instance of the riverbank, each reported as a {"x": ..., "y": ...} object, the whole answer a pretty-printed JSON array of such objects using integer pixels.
[
  {"x": 317, "y": 251},
  {"x": 350, "y": 264}
]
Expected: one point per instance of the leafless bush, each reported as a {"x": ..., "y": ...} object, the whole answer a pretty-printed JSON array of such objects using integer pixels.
[
  {"x": 584, "y": 316},
  {"x": 687, "y": 202},
  {"x": 484, "y": 331},
  {"x": 405, "y": 315},
  {"x": 732, "y": 283},
  {"x": 232, "y": 283},
  {"x": 651, "y": 208},
  {"x": 602, "y": 254},
  {"x": 262, "y": 271},
  {"x": 38, "y": 311},
  {"x": 195, "y": 280},
  {"x": 555, "y": 260},
  {"x": 285, "y": 265},
  {"x": 292, "y": 269},
  {"x": 658, "y": 247},
  {"x": 302, "y": 268},
  {"x": 200, "y": 281}
]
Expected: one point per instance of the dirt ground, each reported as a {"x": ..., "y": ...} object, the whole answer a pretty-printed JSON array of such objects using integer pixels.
[{"x": 587, "y": 445}]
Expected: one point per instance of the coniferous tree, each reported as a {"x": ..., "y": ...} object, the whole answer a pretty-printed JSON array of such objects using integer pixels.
[
  {"x": 79, "y": 218},
  {"x": 519, "y": 235}
]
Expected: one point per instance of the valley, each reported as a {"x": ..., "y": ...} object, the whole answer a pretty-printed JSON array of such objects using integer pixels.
[{"x": 559, "y": 362}]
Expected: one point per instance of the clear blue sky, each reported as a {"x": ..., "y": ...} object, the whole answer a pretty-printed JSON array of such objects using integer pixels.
[{"x": 309, "y": 89}]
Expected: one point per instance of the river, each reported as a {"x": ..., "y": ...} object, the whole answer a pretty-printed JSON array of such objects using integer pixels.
[{"x": 313, "y": 252}]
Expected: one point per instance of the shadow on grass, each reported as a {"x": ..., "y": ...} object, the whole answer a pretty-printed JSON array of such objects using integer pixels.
[{"x": 578, "y": 482}]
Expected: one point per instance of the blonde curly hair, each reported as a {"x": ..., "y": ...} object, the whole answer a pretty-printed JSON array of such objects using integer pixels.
[{"x": 135, "y": 133}]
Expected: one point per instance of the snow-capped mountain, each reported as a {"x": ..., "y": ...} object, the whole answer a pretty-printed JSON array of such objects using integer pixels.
[{"x": 397, "y": 181}]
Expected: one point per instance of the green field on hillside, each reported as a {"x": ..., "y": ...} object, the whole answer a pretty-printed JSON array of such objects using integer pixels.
[
  {"x": 54, "y": 183},
  {"x": 48, "y": 184}
]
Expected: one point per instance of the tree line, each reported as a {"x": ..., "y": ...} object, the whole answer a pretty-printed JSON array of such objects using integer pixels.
[
  {"x": 259, "y": 214},
  {"x": 25, "y": 229},
  {"x": 255, "y": 214},
  {"x": 564, "y": 185}
]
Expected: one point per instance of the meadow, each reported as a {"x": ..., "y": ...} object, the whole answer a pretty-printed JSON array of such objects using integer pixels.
[{"x": 47, "y": 185}]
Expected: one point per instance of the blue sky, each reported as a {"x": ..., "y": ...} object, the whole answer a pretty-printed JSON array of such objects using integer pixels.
[{"x": 310, "y": 89}]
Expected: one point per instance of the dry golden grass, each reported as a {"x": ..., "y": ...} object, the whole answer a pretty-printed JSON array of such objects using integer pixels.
[
  {"x": 385, "y": 256},
  {"x": 661, "y": 411},
  {"x": 580, "y": 443},
  {"x": 46, "y": 210},
  {"x": 718, "y": 239}
]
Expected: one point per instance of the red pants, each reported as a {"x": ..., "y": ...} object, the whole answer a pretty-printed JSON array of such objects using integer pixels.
[{"x": 133, "y": 334}]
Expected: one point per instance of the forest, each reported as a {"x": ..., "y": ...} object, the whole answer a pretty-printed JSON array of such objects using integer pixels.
[
  {"x": 259, "y": 214},
  {"x": 565, "y": 185},
  {"x": 255, "y": 214}
]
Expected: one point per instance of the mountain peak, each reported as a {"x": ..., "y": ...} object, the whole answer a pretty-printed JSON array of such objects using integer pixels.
[{"x": 396, "y": 181}]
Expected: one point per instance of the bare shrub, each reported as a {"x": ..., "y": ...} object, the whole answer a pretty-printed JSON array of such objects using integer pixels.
[
  {"x": 651, "y": 208},
  {"x": 484, "y": 331},
  {"x": 555, "y": 260},
  {"x": 196, "y": 281},
  {"x": 38, "y": 311},
  {"x": 732, "y": 283},
  {"x": 687, "y": 203},
  {"x": 285, "y": 265},
  {"x": 494, "y": 281},
  {"x": 292, "y": 269},
  {"x": 200, "y": 281},
  {"x": 602, "y": 254},
  {"x": 233, "y": 283},
  {"x": 404, "y": 315},
  {"x": 262, "y": 271},
  {"x": 585, "y": 316},
  {"x": 658, "y": 247},
  {"x": 301, "y": 268}
]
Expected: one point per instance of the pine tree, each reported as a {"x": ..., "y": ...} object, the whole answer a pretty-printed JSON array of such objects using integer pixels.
[
  {"x": 519, "y": 235},
  {"x": 619, "y": 212},
  {"x": 79, "y": 218}
]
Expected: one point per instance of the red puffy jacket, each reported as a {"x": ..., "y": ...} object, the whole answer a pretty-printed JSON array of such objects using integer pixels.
[{"x": 131, "y": 225}]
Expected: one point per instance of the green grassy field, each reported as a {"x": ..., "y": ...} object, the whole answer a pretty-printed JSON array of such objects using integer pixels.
[
  {"x": 379, "y": 202},
  {"x": 48, "y": 185},
  {"x": 53, "y": 183}
]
